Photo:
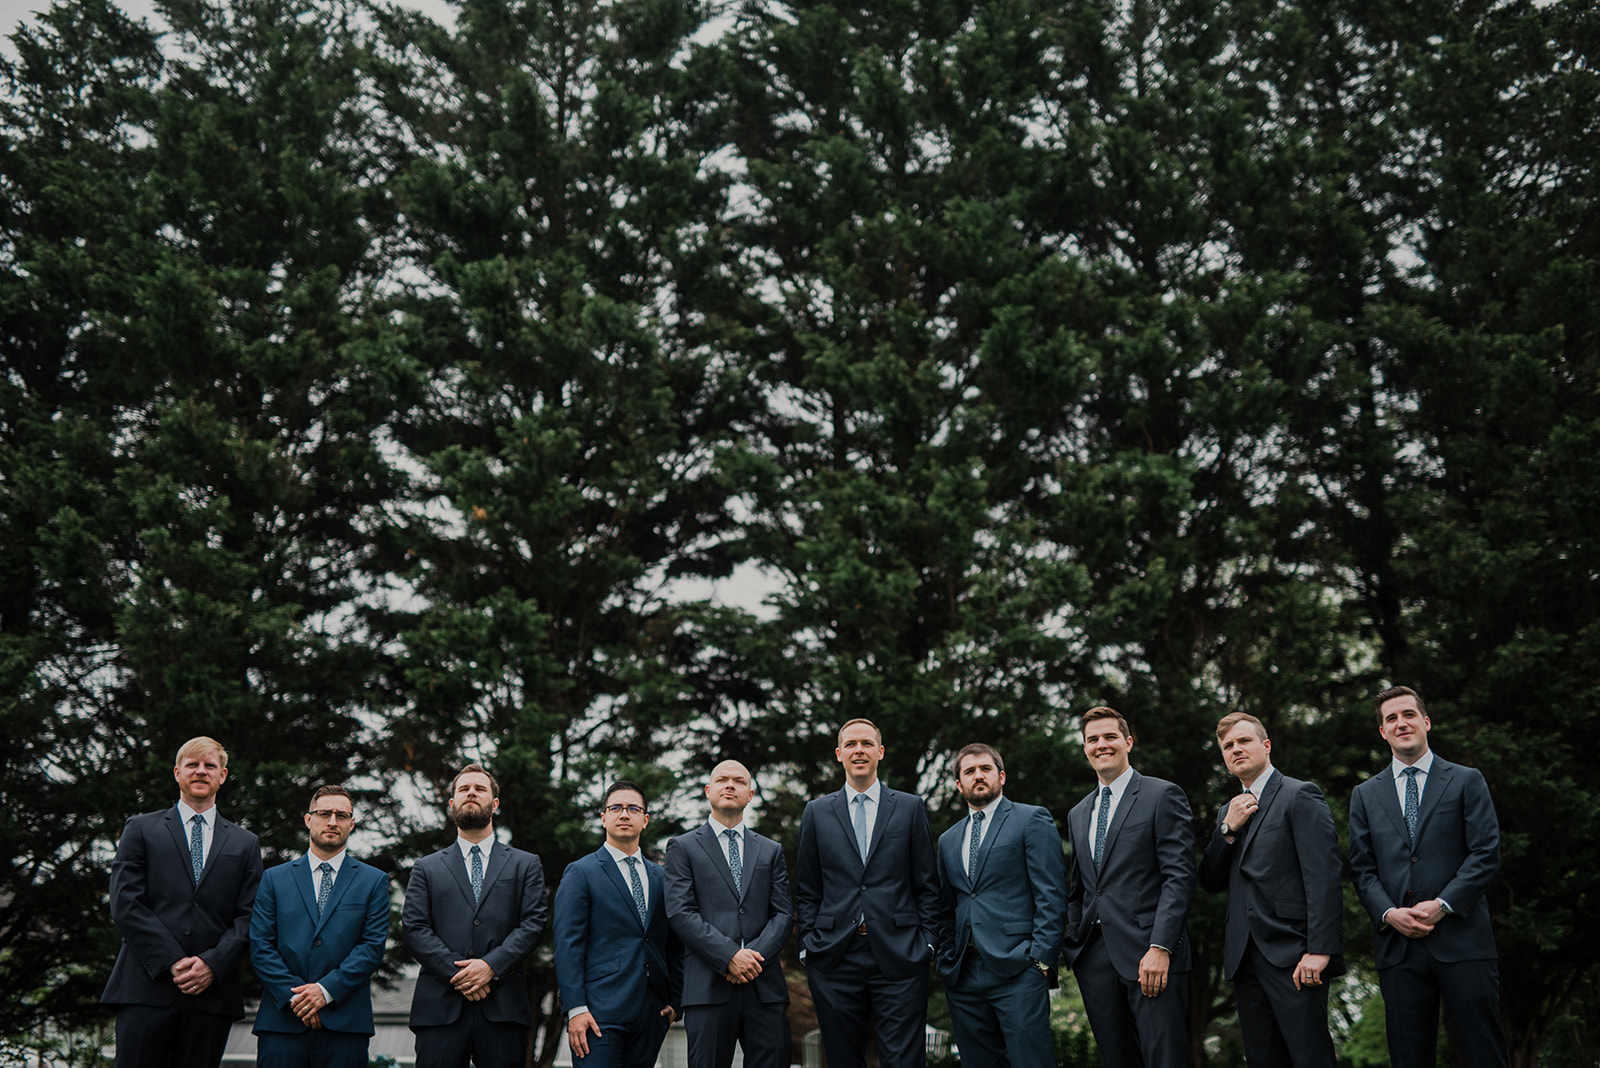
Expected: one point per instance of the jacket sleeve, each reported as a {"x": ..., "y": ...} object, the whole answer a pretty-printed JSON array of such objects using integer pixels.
[
  {"x": 234, "y": 945},
  {"x": 153, "y": 945},
  {"x": 1174, "y": 833},
  {"x": 683, "y": 911},
  {"x": 531, "y": 913},
  {"x": 570, "y": 932},
  {"x": 1482, "y": 829},
  {"x": 1364, "y": 860},
  {"x": 1316, "y": 845},
  {"x": 807, "y": 874},
  {"x": 265, "y": 957},
  {"x": 1047, "y": 874},
  {"x": 1214, "y": 865},
  {"x": 780, "y": 912},
  {"x": 363, "y": 959},
  {"x": 924, "y": 874},
  {"x": 417, "y": 926}
]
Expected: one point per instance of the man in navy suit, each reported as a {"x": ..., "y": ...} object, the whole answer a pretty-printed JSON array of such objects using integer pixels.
[
  {"x": 316, "y": 937},
  {"x": 473, "y": 912},
  {"x": 1002, "y": 915},
  {"x": 182, "y": 885},
  {"x": 619, "y": 966},
  {"x": 868, "y": 903},
  {"x": 727, "y": 896},
  {"x": 1276, "y": 853},
  {"x": 1127, "y": 912},
  {"x": 1424, "y": 846}
]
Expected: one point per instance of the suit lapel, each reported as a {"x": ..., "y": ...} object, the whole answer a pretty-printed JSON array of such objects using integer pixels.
[
  {"x": 1389, "y": 801},
  {"x": 180, "y": 841},
  {"x": 219, "y": 840},
  {"x": 953, "y": 854},
  {"x": 1130, "y": 798},
  {"x": 499, "y": 857},
  {"x": 840, "y": 803},
  {"x": 301, "y": 874},
  {"x": 341, "y": 883},
  {"x": 886, "y": 801},
  {"x": 1269, "y": 793},
  {"x": 706, "y": 839},
  {"x": 609, "y": 867},
  {"x": 458, "y": 869},
  {"x": 996, "y": 821},
  {"x": 1439, "y": 777},
  {"x": 653, "y": 906},
  {"x": 1081, "y": 826}
]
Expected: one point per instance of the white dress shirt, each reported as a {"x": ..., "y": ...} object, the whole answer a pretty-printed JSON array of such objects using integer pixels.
[
  {"x": 188, "y": 814},
  {"x": 873, "y": 793},
  {"x": 466, "y": 853},
  {"x": 983, "y": 832},
  {"x": 722, "y": 840},
  {"x": 1397, "y": 768},
  {"x": 1119, "y": 786}
]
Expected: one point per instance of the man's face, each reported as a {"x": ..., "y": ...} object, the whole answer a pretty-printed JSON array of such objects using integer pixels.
[
  {"x": 624, "y": 819},
  {"x": 859, "y": 751},
  {"x": 1404, "y": 727},
  {"x": 979, "y": 780},
  {"x": 730, "y": 790},
  {"x": 199, "y": 777},
  {"x": 1245, "y": 752},
  {"x": 473, "y": 804},
  {"x": 1106, "y": 747},
  {"x": 330, "y": 832}
]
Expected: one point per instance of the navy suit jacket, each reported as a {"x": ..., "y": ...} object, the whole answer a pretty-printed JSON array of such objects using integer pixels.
[
  {"x": 1284, "y": 876},
  {"x": 714, "y": 921},
  {"x": 1014, "y": 908},
  {"x": 1456, "y": 857},
  {"x": 164, "y": 916},
  {"x": 441, "y": 926},
  {"x": 290, "y": 944},
  {"x": 1142, "y": 892},
  {"x": 605, "y": 958},
  {"x": 896, "y": 891}
]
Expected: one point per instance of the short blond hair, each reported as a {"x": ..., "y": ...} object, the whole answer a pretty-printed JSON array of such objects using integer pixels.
[
  {"x": 1233, "y": 719},
  {"x": 851, "y": 723},
  {"x": 200, "y": 746}
]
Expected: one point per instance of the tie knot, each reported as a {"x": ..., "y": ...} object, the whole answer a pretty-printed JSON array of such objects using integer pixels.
[
  {"x": 632, "y": 861},
  {"x": 477, "y": 852},
  {"x": 861, "y": 799},
  {"x": 1410, "y": 773},
  {"x": 324, "y": 867},
  {"x": 198, "y": 820},
  {"x": 731, "y": 834},
  {"x": 977, "y": 817}
]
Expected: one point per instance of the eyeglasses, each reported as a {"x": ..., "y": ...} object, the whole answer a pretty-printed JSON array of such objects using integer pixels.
[
  {"x": 332, "y": 814},
  {"x": 632, "y": 810}
]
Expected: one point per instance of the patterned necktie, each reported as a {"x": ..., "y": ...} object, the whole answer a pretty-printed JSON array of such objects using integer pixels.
[
  {"x": 972, "y": 844},
  {"x": 1412, "y": 800},
  {"x": 638, "y": 890},
  {"x": 477, "y": 875},
  {"x": 197, "y": 847},
  {"x": 735, "y": 862},
  {"x": 325, "y": 887},
  {"x": 1100, "y": 827},
  {"x": 861, "y": 825}
]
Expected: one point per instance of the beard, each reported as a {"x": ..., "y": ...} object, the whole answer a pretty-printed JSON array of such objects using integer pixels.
[{"x": 471, "y": 818}]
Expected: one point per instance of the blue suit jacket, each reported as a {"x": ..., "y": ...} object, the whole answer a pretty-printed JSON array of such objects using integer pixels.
[
  {"x": 605, "y": 958},
  {"x": 714, "y": 921},
  {"x": 1142, "y": 891},
  {"x": 163, "y": 916},
  {"x": 441, "y": 926},
  {"x": 896, "y": 891},
  {"x": 1014, "y": 907},
  {"x": 290, "y": 944},
  {"x": 1456, "y": 857}
]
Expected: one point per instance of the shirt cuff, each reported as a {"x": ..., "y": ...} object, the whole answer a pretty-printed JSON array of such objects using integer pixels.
[
  {"x": 1163, "y": 949},
  {"x": 325, "y": 996},
  {"x": 577, "y": 1011},
  {"x": 1445, "y": 905}
]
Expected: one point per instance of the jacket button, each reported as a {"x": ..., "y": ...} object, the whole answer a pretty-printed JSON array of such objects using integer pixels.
[
  {"x": 316, "y": 942},
  {"x": 863, "y": 888},
  {"x": 1413, "y": 860},
  {"x": 741, "y": 912},
  {"x": 477, "y": 923}
]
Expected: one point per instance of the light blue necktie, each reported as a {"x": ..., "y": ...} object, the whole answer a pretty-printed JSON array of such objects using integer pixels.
[
  {"x": 735, "y": 862},
  {"x": 638, "y": 890},
  {"x": 1100, "y": 828},
  {"x": 972, "y": 845},
  {"x": 861, "y": 825},
  {"x": 477, "y": 875},
  {"x": 197, "y": 847},
  {"x": 1413, "y": 800},
  {"x": 325, "y": 887}
]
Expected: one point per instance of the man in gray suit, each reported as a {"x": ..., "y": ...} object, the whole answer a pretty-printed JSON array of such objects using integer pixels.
[
  {"x": 182, "y": 887},
  {"x": 728, "y": 902},
  {"x": 1276, "y": 853},
  {"x": 473, "y": 912},
  {"x": 1002, "y": 914},
  {"x": 1127, "y": 912},
  {"x": 1424, "y": 846}
]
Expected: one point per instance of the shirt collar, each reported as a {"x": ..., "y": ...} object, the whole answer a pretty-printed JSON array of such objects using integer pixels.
[
  {"x": 337, "y": 861},
  {"x": 1119, "y": 785},
  {"x": 872, "y": 791},
  {"x": 1397, "y": 767},
  {"x": 487, "y": 845},
  {"x": 987, "y": 810},
  {"x": 188, "y": 814},
  {"x": 718, "y": 829},
  {"x": 619, "y": 856},
  {"x": 1261, "y": 781}
]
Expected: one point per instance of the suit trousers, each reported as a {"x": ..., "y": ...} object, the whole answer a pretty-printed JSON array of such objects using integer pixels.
[
  {"x": 471, "y": 1039},
  {"x": 1470, "y": 990},
  {"x": 760, "y": 1028},
  {"x": 1131, "y": 1030},
  {"x": 311, "y": 1049},
  {"x": 854, "y": 998},
  {"x": 627, "y": 1044},
  {"x": 1001, "y": 1022},
  {"x": 1281, "y": 1026},
  {"x": 170, "y": 1036}
]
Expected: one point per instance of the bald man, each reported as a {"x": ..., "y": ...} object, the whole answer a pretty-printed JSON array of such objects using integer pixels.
[{"x": 727, "y": 895}]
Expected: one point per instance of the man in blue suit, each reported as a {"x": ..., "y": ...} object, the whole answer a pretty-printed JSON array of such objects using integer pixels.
[
  {"x": 1127, "y": 912},
  {"x": 1424, "y": 847},
  {"x": 727, "y": 895},
  {"x": 868, "y": 904},
  {"x": 182, "y": 886},
  {"x": 1002, "y": 915},
  {"x": 316, "y": 937},
  {"x": 473, "y": 912},
  {"x": 618, "y": 964}
]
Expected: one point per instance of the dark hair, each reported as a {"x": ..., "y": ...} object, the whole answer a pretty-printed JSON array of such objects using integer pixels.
[
  {"x": 1106, "y": 712},
  {"x": 625, "y": 784},
  {"x": 976, "y": 748},
  {"x": 330, "y": 791},
  {"x": 1390, "y": 694},
  {"x": 478, "y": 769}
]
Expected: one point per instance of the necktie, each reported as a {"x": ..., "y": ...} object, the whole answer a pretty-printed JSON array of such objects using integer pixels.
[
  {"x": 477, "y": 875},
  {"x": 1100, "y": 827},
  {"x": 1412, "y": 800},
  {"x": 972, "y": 844},
  {"x": 197, "y": 847},
  {"x": 861, "y": 825},
  {"x": 638, "y": 890},
  {"x": 325, "y": 887},
  {"x": 735, "y": 862}
]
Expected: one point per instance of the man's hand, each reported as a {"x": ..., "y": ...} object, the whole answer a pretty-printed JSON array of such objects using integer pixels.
[
  {"x": 1405, "y": 921},
  {"x": 315, "y": 1023},
  {"x": 192, "y": 975},
  {"x": 1309, "y": 971},
  {"x": 578, "y": 1029},
  {"x": 473, "y": 978},
  {"x": 1153, "y": 971},
  {"x": 1240, "y": 809},
  {"x": 669, "y": 1013},
  {"x": 307, "y": 1000},
  {"x": 1430, "y": 912},
  {"x": 745, "y": 966}
]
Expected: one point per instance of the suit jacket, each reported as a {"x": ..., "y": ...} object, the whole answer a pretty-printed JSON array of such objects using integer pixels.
[
  {"x": 1456, "y": 857},
  {"x": 164, "y": 916},
  {"x": 1283, "y": 875},
  {"x": 1142, "y": 892},
  {"x": 896, "y": 892},
  {"x": 290, "y": 944},
  {"x": 441, "y": 925},
  {"x": 605, "y": 958},
  {"x": 1013, "y": 907},
  {"x": 714, "y": 921}
]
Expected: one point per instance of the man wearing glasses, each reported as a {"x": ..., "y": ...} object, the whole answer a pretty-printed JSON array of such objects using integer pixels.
[
  {"x": 473, "y": 912},
  {"x": 316, "y": 937},
  {"x": 619, "y": 966}
]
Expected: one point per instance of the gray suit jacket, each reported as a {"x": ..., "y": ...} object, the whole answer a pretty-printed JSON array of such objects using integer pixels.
[{"x": 713, "y": 921}]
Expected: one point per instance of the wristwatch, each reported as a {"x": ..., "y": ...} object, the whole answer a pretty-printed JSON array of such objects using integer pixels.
[
  {"x": 1227, "y": 831},
  {"x": 1044, "y": 969}
]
